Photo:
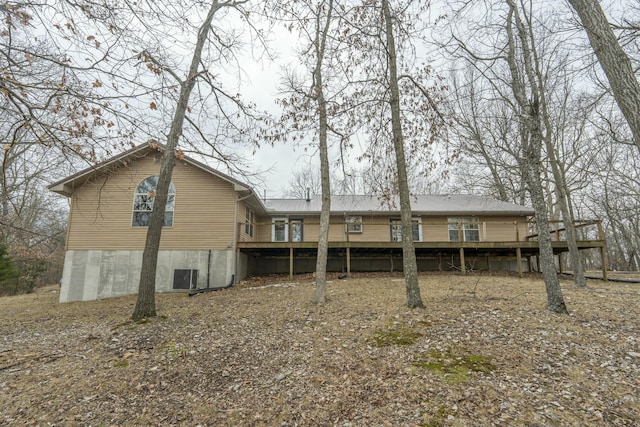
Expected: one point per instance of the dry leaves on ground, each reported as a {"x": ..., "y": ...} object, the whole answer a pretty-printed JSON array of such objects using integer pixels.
[{"x": 485, "y": 351}]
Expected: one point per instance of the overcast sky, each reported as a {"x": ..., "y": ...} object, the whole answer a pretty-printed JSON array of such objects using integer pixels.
[
  {"x": 259, "y": 84},
  {"x": 261, "y": 87}
]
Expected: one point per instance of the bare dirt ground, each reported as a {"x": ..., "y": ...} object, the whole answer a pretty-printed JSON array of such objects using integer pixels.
[{"x": 484, "y": 352}]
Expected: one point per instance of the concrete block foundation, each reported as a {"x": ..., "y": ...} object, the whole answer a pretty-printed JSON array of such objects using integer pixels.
[{"x": 97, "y": 274}]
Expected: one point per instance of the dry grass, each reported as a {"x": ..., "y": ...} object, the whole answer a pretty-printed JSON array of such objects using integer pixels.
[{"x": 484, "y": 352}]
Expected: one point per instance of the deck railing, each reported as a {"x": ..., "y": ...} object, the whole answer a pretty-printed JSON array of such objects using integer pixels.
[
  {"x": 296, "y": 230},
  {"x": 585, "y": 230}
]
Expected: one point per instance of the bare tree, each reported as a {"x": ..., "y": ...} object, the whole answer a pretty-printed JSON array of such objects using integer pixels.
[
  {"x": 614, "y": 61},
  {"x": 320, "y": 46},
  {"x": 303, "y": 182},
  {"x": 59, "y": 111},
  {"x": 396, "y": 105},
  {"x": 145, "y": 304},
  {"x": 370, "y": 101},
  {"x": 613, "y": 196},
  {"x": 71, "y": 79},
  {"x": 310, "y": 107},
  {"x": 32, "y": 220},
  {"x": 519, "y": 75},
  {"x": 535, "y": 69},
  {"x": 484, "y": 121},
  {"x": 483, "y": 139},
  {"x": 410, "y": 267}
]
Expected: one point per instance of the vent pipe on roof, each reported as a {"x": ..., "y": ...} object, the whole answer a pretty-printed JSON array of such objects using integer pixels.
[{"x": 308, "y": 194}]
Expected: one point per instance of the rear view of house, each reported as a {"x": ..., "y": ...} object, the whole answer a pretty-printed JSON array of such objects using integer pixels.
[
  {"x": 218, "y": 231},
  {"x": 365, "y": 232}
]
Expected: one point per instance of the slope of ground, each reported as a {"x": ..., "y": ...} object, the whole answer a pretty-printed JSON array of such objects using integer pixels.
[{"x": 485, "y": 351}]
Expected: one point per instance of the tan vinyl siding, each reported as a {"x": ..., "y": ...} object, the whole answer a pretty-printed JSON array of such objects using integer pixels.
[
  {"x": 376, "y": 228},
  {"x": 336, "y": 229},
  {"x": 263, "y": 230},
  {"x": 435, "y": 229},
  {"x": 504, "y": 229},
  {"x": 312, "y": 229},
  {"x": 102, "y": 210}
]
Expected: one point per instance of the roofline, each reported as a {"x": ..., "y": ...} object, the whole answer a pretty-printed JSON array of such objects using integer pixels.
[
  {"x": 64, "y": 188},
  {"x": 60, "y": 186},
  {"x": 270, "y": 211}
]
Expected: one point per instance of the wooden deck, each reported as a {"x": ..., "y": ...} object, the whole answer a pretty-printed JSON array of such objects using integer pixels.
[{"x": 526, "y": 248}]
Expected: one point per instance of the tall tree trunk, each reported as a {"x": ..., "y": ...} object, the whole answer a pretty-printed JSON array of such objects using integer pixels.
[
  {"x": 535, "y": 74},
  {"x": 4, "y": 194},
  {"x": 531, "y": 137},
  {"x": 320, "y": 294},
  {"x": 614, "y": 61},
  {"x": 531, "y": 167},
  {"x": 146, "y": 302},
  {"x": 572, "y": 215},
  {"x": 577, "y": 266},
  {"x": 409, "y": 263}
]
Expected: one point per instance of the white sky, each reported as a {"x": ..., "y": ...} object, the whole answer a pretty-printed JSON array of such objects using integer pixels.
[{"x": 261, "y": 87}]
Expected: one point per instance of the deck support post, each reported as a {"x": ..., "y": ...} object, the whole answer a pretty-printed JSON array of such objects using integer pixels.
[
  {"x": 603, "y": 256},
  {"x": 603, "y": 251},
  {"x": 290, "y": 263},
  {"x": 519, "y": 261},
  {"x": 442, "y": 252},
  {"x": 560, "y": 263}
]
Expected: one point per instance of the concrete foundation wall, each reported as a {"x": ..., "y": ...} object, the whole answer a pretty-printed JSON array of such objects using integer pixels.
[
  {"x": 242, "y": 266},
  {"x": 96, "y": 274}
]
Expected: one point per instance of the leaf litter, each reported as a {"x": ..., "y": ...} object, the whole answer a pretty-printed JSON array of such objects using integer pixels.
[{"x": 485, "y": 351}]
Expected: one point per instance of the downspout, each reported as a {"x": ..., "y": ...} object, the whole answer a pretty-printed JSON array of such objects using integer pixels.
[
  {"x": 209, "y": 269},
  {"x": 235, "y": 237},
  {"x": 235, "y": 257},
  {"x": 66, "y": 241},
  {"x": 68, "y": 233}
]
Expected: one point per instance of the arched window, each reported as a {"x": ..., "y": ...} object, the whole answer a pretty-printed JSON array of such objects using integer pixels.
[{"x": 143, "y": 203}]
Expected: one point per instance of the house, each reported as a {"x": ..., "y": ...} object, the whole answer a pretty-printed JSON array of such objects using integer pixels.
[{"x": 217, "y": 230}]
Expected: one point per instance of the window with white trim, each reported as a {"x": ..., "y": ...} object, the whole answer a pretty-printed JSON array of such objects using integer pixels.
[
  {"x": 354, "y": 224},
  {"x": 469, "y": 229},
  {"x": 249, "y": 220},
  {"x": 279, "y": 230},
  {"x": 297, "y": 230},
  {"x": 143, "y": 203},
  {"x": 396, "y": 229}
]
